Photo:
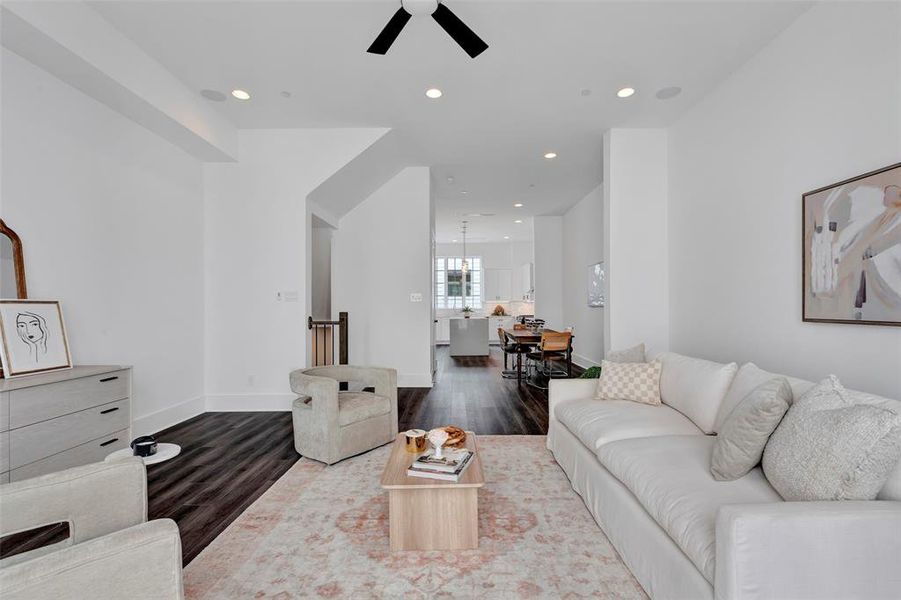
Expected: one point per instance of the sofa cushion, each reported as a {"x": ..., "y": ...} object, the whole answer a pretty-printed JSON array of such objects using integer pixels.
[
  {"x": 750, "y": 376},
  {"x": 740, "y": 443},
  {"x": 670, "y": 478},
  {"x": 597, "y": 422},
  {"x": 635, "y": 354},
  {"x": 638, "y": 382},
  {"x": 695, "y": 387},
  {"x": 834, "y": 444},
  {"x": 359, "y": 406},
  {"x": 892, "y": 488}
]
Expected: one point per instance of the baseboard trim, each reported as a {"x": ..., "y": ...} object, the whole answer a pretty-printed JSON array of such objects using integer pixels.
[
  {"x": 583, "y": 361},
  {"x": 414, "y": 380},
  {"x": 272, "y": 402},
  {"x": 168, "y": 417}
]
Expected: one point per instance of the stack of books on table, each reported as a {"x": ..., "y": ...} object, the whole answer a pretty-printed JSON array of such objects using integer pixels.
[{"x": 447, "y": 468}]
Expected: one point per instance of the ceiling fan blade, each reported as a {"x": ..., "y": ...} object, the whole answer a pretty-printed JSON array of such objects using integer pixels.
[
  {"x": 384, "y": 40},
  {"x": 457, "y": 29}
]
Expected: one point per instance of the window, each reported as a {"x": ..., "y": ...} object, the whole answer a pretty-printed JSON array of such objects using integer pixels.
[{"x": 449, "y": 282}]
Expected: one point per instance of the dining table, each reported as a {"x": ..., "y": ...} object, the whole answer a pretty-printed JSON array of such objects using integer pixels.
[{"x": 532, "y": 337}]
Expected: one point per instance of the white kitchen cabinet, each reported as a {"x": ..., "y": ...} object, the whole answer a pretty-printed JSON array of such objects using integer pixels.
[
  {"x": 527, "y": 283},
  {"x": 494, "y": 323},
  {"x": 442, "y": 330},
  {"x": 498, "y": 285}
]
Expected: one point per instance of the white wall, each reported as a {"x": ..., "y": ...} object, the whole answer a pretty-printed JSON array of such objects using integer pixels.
[
  {"x": 256, "y": 223},
  {"x": 635, "y": 239},
  {"x": 111, "y": 218},
  {"x": 583, "y": 245},
  {"x": 548, "y": 237},
  {"x": 820, "y": 104},
  {"x": 380, "y": 255}
]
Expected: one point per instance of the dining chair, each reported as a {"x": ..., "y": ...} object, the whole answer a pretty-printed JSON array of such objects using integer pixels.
[
  {"x": 554, "y": 348},
  {"x": 511, "y": 346}
]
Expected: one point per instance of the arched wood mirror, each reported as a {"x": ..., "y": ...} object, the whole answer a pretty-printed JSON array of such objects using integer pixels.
[{"x": 12, "y": 264}]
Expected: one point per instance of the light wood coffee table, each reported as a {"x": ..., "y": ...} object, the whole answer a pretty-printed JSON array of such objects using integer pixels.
[{"x": 430, "y": 514}]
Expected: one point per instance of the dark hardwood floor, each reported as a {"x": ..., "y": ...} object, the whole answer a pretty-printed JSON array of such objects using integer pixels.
[
  {"x": 470, "y": 393},
  {"x": 229, "y": 459}
]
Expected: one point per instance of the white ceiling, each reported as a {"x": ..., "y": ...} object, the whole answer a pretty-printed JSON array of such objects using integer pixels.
[{"x": 500, "y": 112}]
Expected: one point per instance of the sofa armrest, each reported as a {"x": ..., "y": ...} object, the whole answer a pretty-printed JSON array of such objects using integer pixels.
[
  {"x": 143, "y": 561},
  {"x": 807, "y": 550},
  {"x": 94, "y": 499},
  {"x": 560, "y": 390}
]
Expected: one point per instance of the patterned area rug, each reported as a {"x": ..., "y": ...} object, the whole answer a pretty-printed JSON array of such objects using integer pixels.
[{"x": 323, "y": 532}]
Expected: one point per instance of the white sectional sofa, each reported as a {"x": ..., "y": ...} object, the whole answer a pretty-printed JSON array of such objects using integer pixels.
[{"x": 644, "y": 473}]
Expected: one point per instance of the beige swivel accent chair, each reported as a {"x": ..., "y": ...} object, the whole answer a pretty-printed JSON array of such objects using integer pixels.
[{"x": 331, "y": 425}]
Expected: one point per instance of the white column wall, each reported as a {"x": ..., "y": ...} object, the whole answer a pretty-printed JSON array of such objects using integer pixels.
[
  {"x": 635, "y": 239},
  {"x": 381, "y": 254},
  {"x": 548, "y": 234}
]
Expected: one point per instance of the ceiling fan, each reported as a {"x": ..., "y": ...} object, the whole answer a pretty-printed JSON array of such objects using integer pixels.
[{"x": 472, "y": 44}]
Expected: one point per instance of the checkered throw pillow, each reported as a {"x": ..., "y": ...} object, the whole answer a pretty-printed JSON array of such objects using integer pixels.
[{"x": 638, "y": 382}]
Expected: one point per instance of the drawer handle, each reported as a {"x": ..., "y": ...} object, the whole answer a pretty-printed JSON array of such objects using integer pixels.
[
  {"x": 105, "y": 379},
  {"x": 108, "y": 442},
  {"x": 109, "y": 410}
]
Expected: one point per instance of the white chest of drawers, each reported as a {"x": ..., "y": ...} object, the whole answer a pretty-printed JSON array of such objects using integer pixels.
[{"x": 58, "y": 420}]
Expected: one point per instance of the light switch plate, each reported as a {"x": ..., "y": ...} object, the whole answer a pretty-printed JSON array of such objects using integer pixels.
[
  {"x": 287, "y": 296},
  {"x": 416, "y": 297}
]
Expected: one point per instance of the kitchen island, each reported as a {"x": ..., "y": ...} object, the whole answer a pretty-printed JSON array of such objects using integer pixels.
[{"x": 469, "y": 337}]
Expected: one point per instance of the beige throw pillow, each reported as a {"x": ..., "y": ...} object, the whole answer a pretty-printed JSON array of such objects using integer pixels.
[
  {"x": 834, "y": 444},
  {"x": 638, "y": 382},
  {"x": 739, "y": 445}
]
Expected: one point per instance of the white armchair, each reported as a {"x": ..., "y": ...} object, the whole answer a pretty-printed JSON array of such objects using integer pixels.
[
  {"x": 112, "y": 551},
  {"x": 331, "y": 425}
]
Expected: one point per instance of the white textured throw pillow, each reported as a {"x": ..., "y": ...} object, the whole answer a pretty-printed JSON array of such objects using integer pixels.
[
  {"x": 834, "y": 444},
  {"x": 739, "y": 445},
  {"x": 635, "y": 354},
  {"x": 638, "y": 382},
  {"x": 695, "y": 387}
]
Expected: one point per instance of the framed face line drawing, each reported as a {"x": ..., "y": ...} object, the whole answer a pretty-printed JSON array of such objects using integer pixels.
[{"x": 33, "y": 337}]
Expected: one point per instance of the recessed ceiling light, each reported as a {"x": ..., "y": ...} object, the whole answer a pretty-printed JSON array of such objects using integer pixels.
[
  {"x": 625, "y": 92},
  {"x": 214, "y": 95},
  {"x": 454, "y": 241},
  {"x": 668, "y": 92},
  {"x": 286, "y": 94},
  {"x": 450, "y": 179},
  {"x": 434, "y": 93},
  {"x": 240, "y": 94},
  {"x": 550, "y": 155},
  {"x": 464, "y": 192},
  {"x": 506, "y": 237},
  {"x": 518, "y": 221},
  {"x": 517, "y": 205}
]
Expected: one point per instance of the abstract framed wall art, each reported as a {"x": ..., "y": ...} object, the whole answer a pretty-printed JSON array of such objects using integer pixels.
[
  {"x": 851, "y": 250},
  {"x": 596, "y": 281},
  {"x": 33, "y": 337}
]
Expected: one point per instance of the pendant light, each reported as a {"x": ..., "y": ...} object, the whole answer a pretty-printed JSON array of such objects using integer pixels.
[{"x": 465, "y": 262}]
